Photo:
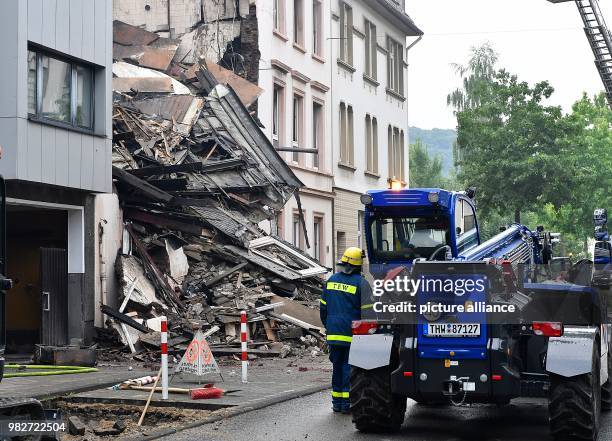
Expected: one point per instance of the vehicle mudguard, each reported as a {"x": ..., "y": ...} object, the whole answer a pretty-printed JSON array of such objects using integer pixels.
[
  {"x": 370, "y": 351},
  {"x": 571, "y": 354}
]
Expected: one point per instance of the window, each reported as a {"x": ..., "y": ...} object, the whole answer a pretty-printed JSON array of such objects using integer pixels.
[
  {"x": 371, "y": 50},
  {"x": 280, "y": 227},
  {"x": 278, "y": 114},
  {"x": 346, "y": 135},
  {"x": 296, "y": 231},
  {"x": 340, "y": 244},
  {"x": 395, "y": 151},
  {"x": 317, "y": 232},
  {"x": 408, "y": 237},
  {"x": 298, "y": 124},
  {"x": 346, "y": 33},
  {"x": 317, "y": 133},
  {"x": 317, "y": 28},
  {"x": 395, "y": 66},
  {"x": 279, "y": 16},
  {"x": 465, "y": 226},
  {"x": 371, "y": 134},
  {"x": 298, "y": 22},
  {"x": 60, "y": 90}
]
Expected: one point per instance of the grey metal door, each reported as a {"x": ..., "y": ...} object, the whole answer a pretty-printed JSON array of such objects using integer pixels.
[{"x": 54, "y": 296}]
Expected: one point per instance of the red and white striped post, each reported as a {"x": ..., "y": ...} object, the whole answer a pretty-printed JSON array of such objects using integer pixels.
[
  {"x": 164, "y": 357},
  {"x": 243, "y": 344}
]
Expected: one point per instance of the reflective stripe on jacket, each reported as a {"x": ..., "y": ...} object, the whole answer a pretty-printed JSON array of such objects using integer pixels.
[{"x": 341, "y": 304}]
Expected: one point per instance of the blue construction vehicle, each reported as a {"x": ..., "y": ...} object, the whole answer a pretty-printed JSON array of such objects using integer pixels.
[
  {"x": 602, "y": 254},
  {"x": 555, "y": 345}
]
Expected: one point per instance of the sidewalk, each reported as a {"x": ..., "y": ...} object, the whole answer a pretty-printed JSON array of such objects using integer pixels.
[{"x": 268, "y": 379}]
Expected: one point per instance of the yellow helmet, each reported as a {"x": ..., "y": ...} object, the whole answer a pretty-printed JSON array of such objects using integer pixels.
[{"x": 353, "y": 256}]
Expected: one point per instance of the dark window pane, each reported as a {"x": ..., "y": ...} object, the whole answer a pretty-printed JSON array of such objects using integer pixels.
[
  {"x": 84, "y": 88},
  {"x": 56, "y": 89},
  {"x": 31, "y": 82}
]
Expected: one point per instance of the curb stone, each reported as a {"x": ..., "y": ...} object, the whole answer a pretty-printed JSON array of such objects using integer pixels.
[{"x": 232, "y": 412}]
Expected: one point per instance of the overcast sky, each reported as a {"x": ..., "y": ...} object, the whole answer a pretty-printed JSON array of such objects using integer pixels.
[{"x": 535, "y": 39}]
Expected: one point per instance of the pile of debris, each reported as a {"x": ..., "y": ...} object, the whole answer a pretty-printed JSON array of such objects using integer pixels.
[{"x": 196, "y": 176}]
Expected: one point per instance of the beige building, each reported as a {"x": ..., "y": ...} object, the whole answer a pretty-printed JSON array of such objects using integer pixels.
[{"x": 369, "y": 57}]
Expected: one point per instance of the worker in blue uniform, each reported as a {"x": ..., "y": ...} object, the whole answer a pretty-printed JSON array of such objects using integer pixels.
[{"x": 341, "y": 303}]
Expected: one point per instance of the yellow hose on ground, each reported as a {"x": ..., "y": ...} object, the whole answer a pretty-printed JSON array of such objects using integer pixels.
[{"x": 36, "y": 370}]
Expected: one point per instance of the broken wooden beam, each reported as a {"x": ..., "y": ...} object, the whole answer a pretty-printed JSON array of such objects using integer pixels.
[
  {"x": 124, "y": 318},
  {"x": 213, "y": 280},
  {"x": 144, "y": 187}
]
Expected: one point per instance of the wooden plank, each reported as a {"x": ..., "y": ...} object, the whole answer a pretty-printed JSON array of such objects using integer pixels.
[
  {"x": 270, "y": 334},
  {"x": 295, "y": 309},
  {"x": 124, "y": 318},
  {"x": 143, "y": 186},
  {"x": 213, "y": 280}
]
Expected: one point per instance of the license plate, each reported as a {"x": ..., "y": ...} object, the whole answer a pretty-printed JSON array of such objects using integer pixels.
[{"x": 452, "y": 330}]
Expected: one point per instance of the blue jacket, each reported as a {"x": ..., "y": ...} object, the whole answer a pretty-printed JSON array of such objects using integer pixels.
[{"x": 341, "y": 304}]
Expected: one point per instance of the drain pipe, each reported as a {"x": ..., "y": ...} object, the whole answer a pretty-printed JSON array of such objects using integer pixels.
[
  {"x": 407, "y": 165},
  {"x": 102, "y": 254}
]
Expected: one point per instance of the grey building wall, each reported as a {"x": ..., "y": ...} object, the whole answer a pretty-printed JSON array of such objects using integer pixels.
[{"x": 41, "y": 153}]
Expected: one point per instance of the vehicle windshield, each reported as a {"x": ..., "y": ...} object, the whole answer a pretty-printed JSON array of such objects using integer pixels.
[{"x": 401, "y": 238}]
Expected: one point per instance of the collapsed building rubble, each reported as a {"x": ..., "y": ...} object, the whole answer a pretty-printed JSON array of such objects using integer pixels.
[{"x": 196, "y": 176}]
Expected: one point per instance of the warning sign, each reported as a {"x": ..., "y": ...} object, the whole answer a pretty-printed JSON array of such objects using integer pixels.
[{"x": 198, "y": 358}]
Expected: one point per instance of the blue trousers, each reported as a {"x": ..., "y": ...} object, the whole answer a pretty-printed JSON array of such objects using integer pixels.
[{"x": 339, "y": 356}]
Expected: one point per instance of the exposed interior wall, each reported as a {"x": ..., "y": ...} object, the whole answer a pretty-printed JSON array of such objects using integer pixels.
[
  {"x": 173, "y": 16},
  {"x": 108, "y": 231}
]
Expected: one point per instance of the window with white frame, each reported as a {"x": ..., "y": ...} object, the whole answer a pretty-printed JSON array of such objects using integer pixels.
[
  {"x": 371, "y": 134},
  {"x": 296, "y": 231},
  {"x": 346, "y": 33},
  {"x": 60, "y": 90},
  {"x": 298, "y": 125},
  {"x": 318, "y": 121},
  {"x": 371, "y": 50},
  {"x": 395, "y": 66},
  {"x": 396, "y": 153},
  {"x": 346, "y": 135},
  {"x": 317, "y": 28},
  {"x": 279, "y": 15},
  {"x": 298, "y": 22},
  {"x": 278, "y": 114},
  {"x": 317, "y": 232}
]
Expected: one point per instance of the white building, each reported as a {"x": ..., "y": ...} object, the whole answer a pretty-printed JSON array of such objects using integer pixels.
[
  {"x": 369, "y": 106},
  {"x": 296, "y": 109}
]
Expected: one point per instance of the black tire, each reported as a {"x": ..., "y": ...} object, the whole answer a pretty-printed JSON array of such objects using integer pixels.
[
  {"x": 575, "y": 405},
  {"x": 606, "y": 389},
  {"x": 373, "y": 406}
]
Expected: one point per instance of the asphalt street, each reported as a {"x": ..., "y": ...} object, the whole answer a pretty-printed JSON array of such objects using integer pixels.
[{"x": 311, "y": 418}]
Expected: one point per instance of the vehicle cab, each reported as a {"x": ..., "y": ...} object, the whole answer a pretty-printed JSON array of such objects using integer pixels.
[{"x": 420, "y": 223}]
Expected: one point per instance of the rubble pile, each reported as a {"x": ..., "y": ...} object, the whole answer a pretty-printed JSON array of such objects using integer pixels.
[{"x": 196, "y": 177}]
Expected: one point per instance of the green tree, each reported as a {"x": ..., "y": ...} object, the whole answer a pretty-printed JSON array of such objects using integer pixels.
[
  {"x": 475, "y": 77},
  {"x": 509, "y": 146},
  {"x": 425, "y": 171}
]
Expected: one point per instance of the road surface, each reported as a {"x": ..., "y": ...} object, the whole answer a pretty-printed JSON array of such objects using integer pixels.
[{"x": 311, "y": 419}]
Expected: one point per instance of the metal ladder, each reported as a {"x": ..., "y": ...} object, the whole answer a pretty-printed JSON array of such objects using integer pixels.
[{"x": 600, "y": 41}]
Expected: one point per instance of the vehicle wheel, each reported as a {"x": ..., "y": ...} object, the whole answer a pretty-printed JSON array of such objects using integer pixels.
[
  {"x": 606, "y": 389},
  {"x": 373, "y": 406},
  {"x": 575, "y": 405}
]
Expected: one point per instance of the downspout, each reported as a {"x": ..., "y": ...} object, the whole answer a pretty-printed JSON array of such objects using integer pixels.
[
  {"x": 331, "y": 112},
  {"x": 102, "y": 253},
  {"x": 407, "y": 165}
]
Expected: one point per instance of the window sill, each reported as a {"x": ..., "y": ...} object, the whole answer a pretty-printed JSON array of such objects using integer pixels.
[
  {"x": 394, "y": 94},
  {"x": 61, "y": 125},
  {"x": 346, "y": 65},
  {"x": 313, "y": 170},
  {"x": 346, "y": 166},
  {"x": 371, "y": 174},
  {"x": 299, "y": 47},
  {"x": 372, "y": 81},
  {"x": 318, "y": 58},
  {"x": 280, "y": 35}
]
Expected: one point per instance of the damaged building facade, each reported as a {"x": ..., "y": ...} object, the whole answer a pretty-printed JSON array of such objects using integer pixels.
[{"x": 55, "y": 133}]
